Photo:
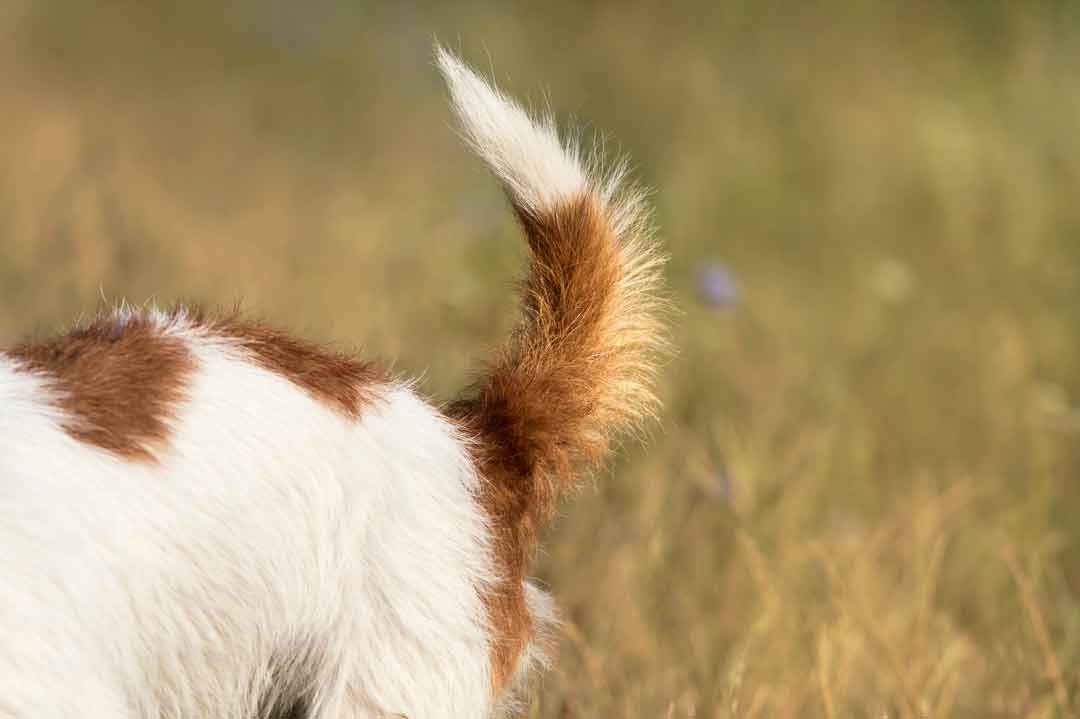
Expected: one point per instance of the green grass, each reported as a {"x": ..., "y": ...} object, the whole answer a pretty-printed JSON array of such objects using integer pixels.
[{"x": 862, "y": 498}]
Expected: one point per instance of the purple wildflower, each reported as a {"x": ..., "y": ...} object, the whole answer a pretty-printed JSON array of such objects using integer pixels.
[{"x": 716, "y": 286}]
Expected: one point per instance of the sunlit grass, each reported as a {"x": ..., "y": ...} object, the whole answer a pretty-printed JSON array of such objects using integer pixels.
[{"x": 862, "y": 498}]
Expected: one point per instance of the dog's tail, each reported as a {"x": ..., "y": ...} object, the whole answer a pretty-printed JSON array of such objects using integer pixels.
[{"x": 579, "y": 369}]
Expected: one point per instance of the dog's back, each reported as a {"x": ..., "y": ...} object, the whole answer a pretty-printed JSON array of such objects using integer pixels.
[{"x": 202, "y": 517}]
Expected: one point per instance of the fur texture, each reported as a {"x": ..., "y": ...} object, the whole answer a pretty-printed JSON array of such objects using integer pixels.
[
  {"x": 203, "y": 517},
  {"x": 580, "y": 367}
]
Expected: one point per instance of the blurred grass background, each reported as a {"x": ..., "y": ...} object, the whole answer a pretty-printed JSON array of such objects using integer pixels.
[{"x": 862, "y": 500}]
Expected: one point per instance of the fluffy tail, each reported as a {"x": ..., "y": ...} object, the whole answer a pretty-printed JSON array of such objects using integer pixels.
[{"x": 579, "y": 369}]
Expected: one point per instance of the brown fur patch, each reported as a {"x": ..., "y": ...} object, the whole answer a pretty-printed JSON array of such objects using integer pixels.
[
  {"x": 338, "y": 380},
  {"x": 536, "y": 412},
  {"x": 118, "y": 381}
]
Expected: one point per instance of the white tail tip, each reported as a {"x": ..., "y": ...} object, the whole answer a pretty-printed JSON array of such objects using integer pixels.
[{"x": 526, "y": 154}]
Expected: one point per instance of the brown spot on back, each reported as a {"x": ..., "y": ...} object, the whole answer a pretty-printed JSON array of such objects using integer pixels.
[
  {"x": 336, "y": 379},
  {"x": 118, "y": 381}
]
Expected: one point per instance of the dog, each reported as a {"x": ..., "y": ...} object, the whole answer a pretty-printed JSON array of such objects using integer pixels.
[{"x": 202, "y": 517}]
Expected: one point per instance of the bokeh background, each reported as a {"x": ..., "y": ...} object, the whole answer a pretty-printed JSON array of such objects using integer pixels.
[{"x": 863, "y": 496}]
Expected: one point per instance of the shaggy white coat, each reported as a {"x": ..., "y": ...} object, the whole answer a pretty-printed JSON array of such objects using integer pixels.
[{"x": 277, "y": 547}]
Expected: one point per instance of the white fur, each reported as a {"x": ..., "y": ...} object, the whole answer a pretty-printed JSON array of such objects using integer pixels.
[
  {"x": 526, "y": 155},
  {"x": 276, "y": 547},
  {"x": 273, "y": 530},
  {"x": 538, "y": 169}
]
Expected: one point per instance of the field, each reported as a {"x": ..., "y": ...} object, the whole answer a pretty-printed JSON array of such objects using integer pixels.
[{"x": 863, "y": 496}]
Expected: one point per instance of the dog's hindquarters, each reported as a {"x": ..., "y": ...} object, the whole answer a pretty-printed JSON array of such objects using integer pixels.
[{"x": 202, "y": 517}]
